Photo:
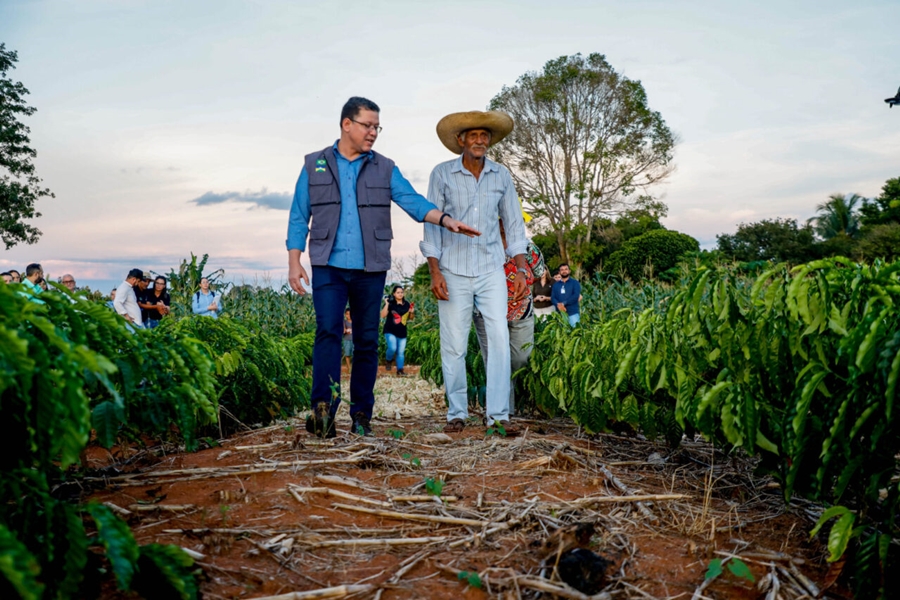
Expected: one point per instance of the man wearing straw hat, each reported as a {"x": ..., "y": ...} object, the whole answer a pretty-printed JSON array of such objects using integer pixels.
[
  {"x": 347, "y": 190},
  {"x": 467, "y": 273}
]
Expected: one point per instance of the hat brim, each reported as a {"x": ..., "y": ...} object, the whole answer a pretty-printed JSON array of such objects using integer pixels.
[{"x": 498, "y": 123}]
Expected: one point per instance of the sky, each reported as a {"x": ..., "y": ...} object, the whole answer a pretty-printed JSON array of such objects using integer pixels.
[{"x": 167, "y": 128}]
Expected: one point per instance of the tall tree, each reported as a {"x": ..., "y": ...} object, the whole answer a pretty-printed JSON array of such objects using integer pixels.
[
  {"x": 770, "y": 239},
  {"x": 837, "y": 217},
  {"x": 585, "y": 146},
  {"x": 885, "y": 208},
  {"x": 20, "y": 187}
]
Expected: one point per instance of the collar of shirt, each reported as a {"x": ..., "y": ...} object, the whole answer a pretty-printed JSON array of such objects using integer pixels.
[
  {"x": 339, "y": 156},
  {"x": 458, "y": 167}
]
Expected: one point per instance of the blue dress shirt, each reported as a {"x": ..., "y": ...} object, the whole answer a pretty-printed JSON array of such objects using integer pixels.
[{"x": 348, "y": 252}]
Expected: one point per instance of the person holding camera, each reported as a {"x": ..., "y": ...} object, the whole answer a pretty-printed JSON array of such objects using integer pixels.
[
  {"x": 34, "y": 277},
  {"x": 396, "y": 311}
]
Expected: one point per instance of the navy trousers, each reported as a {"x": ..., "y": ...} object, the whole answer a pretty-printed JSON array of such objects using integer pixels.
[{"x": 332, "y": 289}]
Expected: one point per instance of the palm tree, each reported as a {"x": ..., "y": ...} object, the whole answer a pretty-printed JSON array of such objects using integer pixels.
[{"x": 837, "y": 216}]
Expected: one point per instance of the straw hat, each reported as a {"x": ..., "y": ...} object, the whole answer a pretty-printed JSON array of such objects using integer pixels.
[{"x": 498, "y": 123}]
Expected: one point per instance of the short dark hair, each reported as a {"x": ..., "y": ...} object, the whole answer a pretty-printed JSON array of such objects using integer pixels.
[
  {"x": 32, "y": 269},
  {"x": 136, "y": 273},
  {"x": 561, "y": 265},
  {"x": 356, "y": 104},
  {"x": 5, "y": 273}
]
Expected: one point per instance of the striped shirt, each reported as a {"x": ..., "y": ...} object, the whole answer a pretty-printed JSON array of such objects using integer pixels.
[{"x": 479, "y": 203}]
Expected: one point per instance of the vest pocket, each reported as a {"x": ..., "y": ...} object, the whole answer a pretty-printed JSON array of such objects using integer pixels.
[
  {"x": 320, "y": 191},
  {"x": 384, "y": 234},
  {"x": 377, "y": 193},
  {"x": 318, "y": 233}
]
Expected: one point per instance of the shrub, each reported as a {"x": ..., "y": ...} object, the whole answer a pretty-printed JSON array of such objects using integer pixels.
[{"x": 650, "y": 253}]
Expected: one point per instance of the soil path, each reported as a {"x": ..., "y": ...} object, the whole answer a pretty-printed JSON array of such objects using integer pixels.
[{"x": 409, "y": 514}]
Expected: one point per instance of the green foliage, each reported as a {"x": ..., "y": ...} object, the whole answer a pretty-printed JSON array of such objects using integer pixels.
[
  {"x": 165, "y": 571},
  {"x": 651, "y": 253},
  {"x": 259, "y": 377},
  {"x": 799, "y": 366},
  {"x": 770, "y": 239},
  {"x": 20, "y": 187},
  {"x": 434, "y": 487},
  {"x": 397, "y": 434},
  {"x": 18, "y": 567},
  {"x": 472, "y": 578},
  {"x": 121, "y": 549},
  {"x": 837, "y": 217},
  {"x": 586, "y": 144},
  {"x": 279, "y": 313},
  {"x": 413, "y": 461},
  {"x": 884, "y": 209},
  {"x": 57, "y": 360},
  {"x": 735, "y": 565},
  {"x": 880, "y": 242}
]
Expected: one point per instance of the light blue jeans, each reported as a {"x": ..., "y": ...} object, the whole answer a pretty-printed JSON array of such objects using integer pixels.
[
  {"x": 488, "y": 294},
  {"x": 574, "y": 319},
  {"x": 395, "y": 346}
]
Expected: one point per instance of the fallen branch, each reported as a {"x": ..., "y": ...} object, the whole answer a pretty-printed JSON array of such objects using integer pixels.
[
  {"x": 160, "y": 507},
  {"x": 414, "y": 517},
  {"x": 338, "y": 494},
  {"x": 340, "y": 591},
  {"x": 377, "y": 542}
]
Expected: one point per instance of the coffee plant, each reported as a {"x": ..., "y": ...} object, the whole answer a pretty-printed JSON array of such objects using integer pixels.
[
  {"x": 799, "y": 366},
  {"x": 259, "y": 377},
  {"x": 57, "y": 359}
]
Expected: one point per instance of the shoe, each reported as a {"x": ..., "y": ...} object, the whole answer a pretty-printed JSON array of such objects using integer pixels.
[
  {"x": 320, "y": 422},
  {"x": 400, "y": 373},
  {"x": 455, "y": 426},
  {"x": 388, "y": 364},
  {"x": 360, "y": 425}
]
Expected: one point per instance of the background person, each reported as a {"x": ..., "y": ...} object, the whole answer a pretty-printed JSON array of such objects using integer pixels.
[
  {"x": 541, "y": 291},
  {"x": 34, "y": 277},
  {"x": 68, "y": 281},
  {"x": 125, "y": 302},
  {"x": 206, "y": 303},
  {"x": 519, "y": 315},
  {"x": 566, "y": 295},
  {"x": 112, "y": 299},
  {"x": 6, "y": 276},
  {"x": 346, "y": 189},
  {"x": 347, "y": 341},
  {"x": 16, "y": 276},
  {"x": 155, "y": 303},
  {"x": 396, "y": 312}
]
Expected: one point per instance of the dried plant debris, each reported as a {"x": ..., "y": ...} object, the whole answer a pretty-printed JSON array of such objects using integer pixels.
[{"x": 413, "y": 513}]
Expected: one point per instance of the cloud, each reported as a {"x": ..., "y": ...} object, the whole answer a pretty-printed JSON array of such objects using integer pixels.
[{"x": 263, "y": 199}]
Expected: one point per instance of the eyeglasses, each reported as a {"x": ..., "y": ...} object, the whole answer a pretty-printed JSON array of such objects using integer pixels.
[
  {"x": 68, "y": 281},
  {"x": 375, "y": 128}
]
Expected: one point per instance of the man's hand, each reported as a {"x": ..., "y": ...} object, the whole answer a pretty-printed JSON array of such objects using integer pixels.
[
  {"x": 520, "y": 287},
  {"x": 439, "y": 286},
  {"x": 561, "y": 307},
  {"x": 455, "y": 226},
  {"x": 296, "y": 272}
]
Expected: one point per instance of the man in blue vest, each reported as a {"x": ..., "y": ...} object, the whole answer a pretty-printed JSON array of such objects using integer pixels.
[{"x": 347, "y": 190}]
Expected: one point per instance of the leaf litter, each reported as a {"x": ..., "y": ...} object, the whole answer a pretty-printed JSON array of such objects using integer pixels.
[{"x": 276, "y": 512}]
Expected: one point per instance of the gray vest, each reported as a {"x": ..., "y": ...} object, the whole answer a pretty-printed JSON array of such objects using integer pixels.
[{"x": 373, "y": 201}]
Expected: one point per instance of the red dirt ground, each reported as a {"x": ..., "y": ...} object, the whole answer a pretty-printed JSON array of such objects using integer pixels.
[{"x": 669, "y": 557}]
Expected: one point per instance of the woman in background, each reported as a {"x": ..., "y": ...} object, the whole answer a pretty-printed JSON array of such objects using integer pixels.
[{"x": 396, "y": 312}]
